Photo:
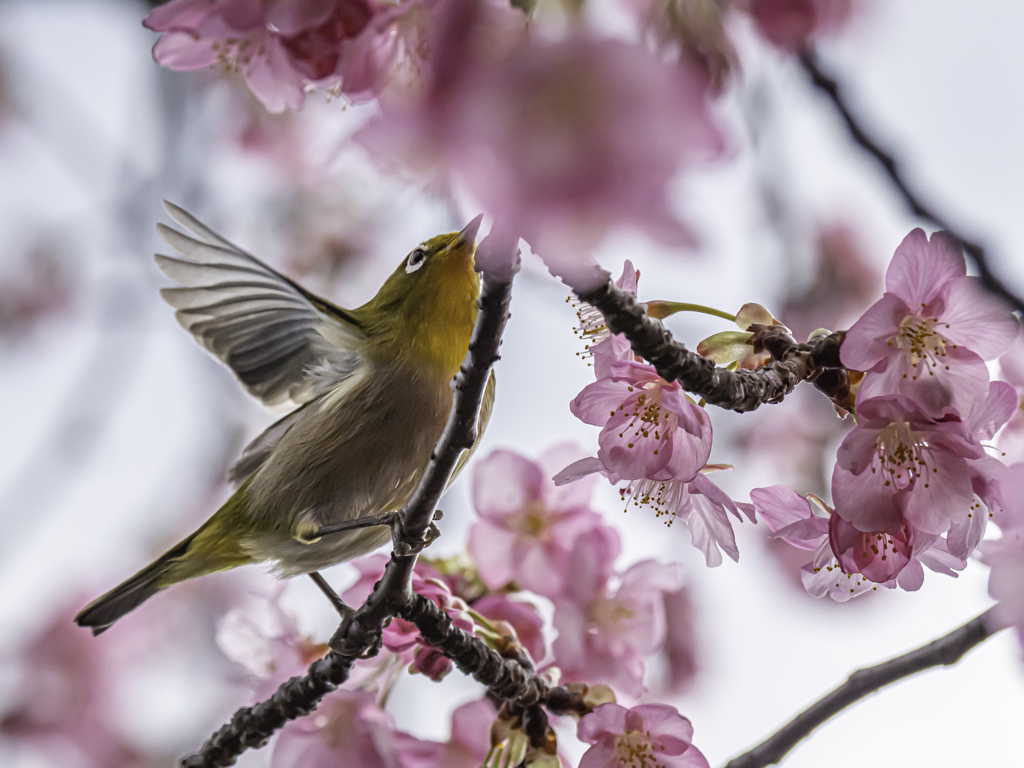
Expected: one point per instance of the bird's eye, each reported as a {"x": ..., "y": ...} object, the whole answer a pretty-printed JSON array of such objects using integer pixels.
[{"x": 415, "y": 260}]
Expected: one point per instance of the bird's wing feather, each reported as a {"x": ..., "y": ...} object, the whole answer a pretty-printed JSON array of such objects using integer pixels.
[{"x": 282, "y": 342}]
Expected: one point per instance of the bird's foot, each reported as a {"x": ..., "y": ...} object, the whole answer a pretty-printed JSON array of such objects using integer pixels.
[{"x": 403, "y": 547}]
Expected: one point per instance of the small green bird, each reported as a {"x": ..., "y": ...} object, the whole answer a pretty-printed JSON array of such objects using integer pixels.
[{"x": 372, "y": 387}]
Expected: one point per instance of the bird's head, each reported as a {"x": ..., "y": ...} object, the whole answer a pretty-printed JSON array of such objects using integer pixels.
[{"x": 425, "y": 310}]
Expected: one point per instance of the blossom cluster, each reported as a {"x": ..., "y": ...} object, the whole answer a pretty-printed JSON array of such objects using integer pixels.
[
  {"x": 534, "y": 541},
  {"x": 654, "y": 438},
  {"x": 913, "y": 485}
]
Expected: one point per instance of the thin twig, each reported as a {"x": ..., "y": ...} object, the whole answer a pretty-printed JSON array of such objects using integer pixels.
[
  {"x": 828, "y": 85},
  {"x": 946, "y": 650},
  {"x": 360, "y": 634},
  {"x": 733, "y": 390}
]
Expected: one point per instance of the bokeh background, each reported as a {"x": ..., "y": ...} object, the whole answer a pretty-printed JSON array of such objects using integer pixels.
[{"x": 116, "y": 429}]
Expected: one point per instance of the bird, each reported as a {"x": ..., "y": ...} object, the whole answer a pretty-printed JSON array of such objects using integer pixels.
[{"x": 372, "y": 393}]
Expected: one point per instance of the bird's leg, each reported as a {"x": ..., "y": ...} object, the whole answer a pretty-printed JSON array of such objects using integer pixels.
[
  {"x": 388, "y": 518},
  {"x": 336, "y": 601}
]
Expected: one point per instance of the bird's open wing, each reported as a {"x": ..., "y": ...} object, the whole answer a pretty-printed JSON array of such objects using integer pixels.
[{"x": 282, "y": 342}]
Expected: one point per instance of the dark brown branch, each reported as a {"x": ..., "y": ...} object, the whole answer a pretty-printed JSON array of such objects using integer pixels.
[
  {"x": 946, "y": 650},
  {"x": 828, "y": 85},
  {"x": 734, "y": 390},
  {"x": 509, "y": 680},
  {"x": 360, "y": 635}
]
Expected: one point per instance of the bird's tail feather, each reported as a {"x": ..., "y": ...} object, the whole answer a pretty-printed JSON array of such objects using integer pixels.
[{"x": 102, "y": 612}]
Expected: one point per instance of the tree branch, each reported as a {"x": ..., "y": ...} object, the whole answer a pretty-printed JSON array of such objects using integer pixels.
[
  {"x": 828, "y": 85},
  {"x": 360, "y": 634},
  {"x": 946, "y": 650},
  {"x": 739, "y": 391}
]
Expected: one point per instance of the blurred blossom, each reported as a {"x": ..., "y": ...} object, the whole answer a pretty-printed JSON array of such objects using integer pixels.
[
  {"x": 695, "y": 28},
  {"x": 927, "y": 338},
  {"x": 528, "y": 525},
  {"x": 268, "y": 644},
  {"x": 560, "y": 141},
  {"x": 467, "y": 747},
  {"x": 680, "y": 648},
  {"x": 1011, "y": 366},
  {"x": 280, "y": 48},
  {"x": 65, "y": 704},
  {"x": 844, "y": 284},
  {"x": 604, "y": 634},
  {"x": 41, "y": 286},
  {"x": 1006, "y": 556},
  {"x": 520, "y": 616},
  {"x": 347, "y": 728},
  {"x": 654, "y": 735},
  {"x": 791, "y": 24}
]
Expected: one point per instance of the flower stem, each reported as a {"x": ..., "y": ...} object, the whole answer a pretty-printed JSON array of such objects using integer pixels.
[{"x": 662, "y": 309}]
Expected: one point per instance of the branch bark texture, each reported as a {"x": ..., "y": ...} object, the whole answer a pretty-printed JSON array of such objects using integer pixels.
[
  {"x": 739, "y": 391},
  {"x": 947, "y": 650},
  {"x": 828, "y": 85}
]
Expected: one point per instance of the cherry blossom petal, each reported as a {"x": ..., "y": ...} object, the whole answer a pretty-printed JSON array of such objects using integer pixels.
[
  {"x": 492, "y": 549},
  {"x": 864, "y": 500},
  {"x": 866, "y": 342},
  {"x": 570, "y": 497},
  {"x": 920, "y": 267},
  {"x": 779, "y": 506},
  {"x": 938, "y": 498},
  {"x": 976, "y": 319},
  {"x": 958, "y": 383},
  {"x": 600, "y": 401},
  {"x": 504, "y": 483},
  {"x": 991, "y": 413},
  {"x": 911, "y": 578}
]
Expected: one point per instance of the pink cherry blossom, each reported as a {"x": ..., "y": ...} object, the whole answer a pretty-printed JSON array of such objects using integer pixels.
[
  {"x": 266, "y": 641},
  {"x": 650, "y": 428},
  {"x": 699, "y": 504},
  {"x": 653, "y": 735},
  {"x": 468, "y": 746},
  {"x": 927, "y": 338},
  {"x": 560, "y": 139},
  {"x": 528, "y": 525},
  {"x": 848, "y": 562},
  {"x": 278, "y": 47},
  {"x": 901, "y": 465},
  {"x": 790, "y": 24},
  {"x": 347, "y": 728},
  {"x": 604, "y": 634}
]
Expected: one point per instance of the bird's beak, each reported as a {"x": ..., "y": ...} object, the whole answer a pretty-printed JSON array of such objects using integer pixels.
[{"x": 468, "y": 233}]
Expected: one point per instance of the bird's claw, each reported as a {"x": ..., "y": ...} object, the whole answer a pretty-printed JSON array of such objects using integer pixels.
[{"x": 404, "y": 548}]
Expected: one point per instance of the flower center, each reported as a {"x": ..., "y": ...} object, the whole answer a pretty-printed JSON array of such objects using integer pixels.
[
  {"x": 635, "y": 750},
  {"x": 903, "y": 456},
  {"x": 648, "y": 417},
  {"x": 920, "y": 342},
  {"x": 608, "y": 613},
  {"x": 532, "y": 520},
  {"x": 661, "y": 496}
]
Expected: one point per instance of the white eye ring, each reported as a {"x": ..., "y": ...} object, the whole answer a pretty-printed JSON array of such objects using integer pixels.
[{"x": 416, "y": 260}]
